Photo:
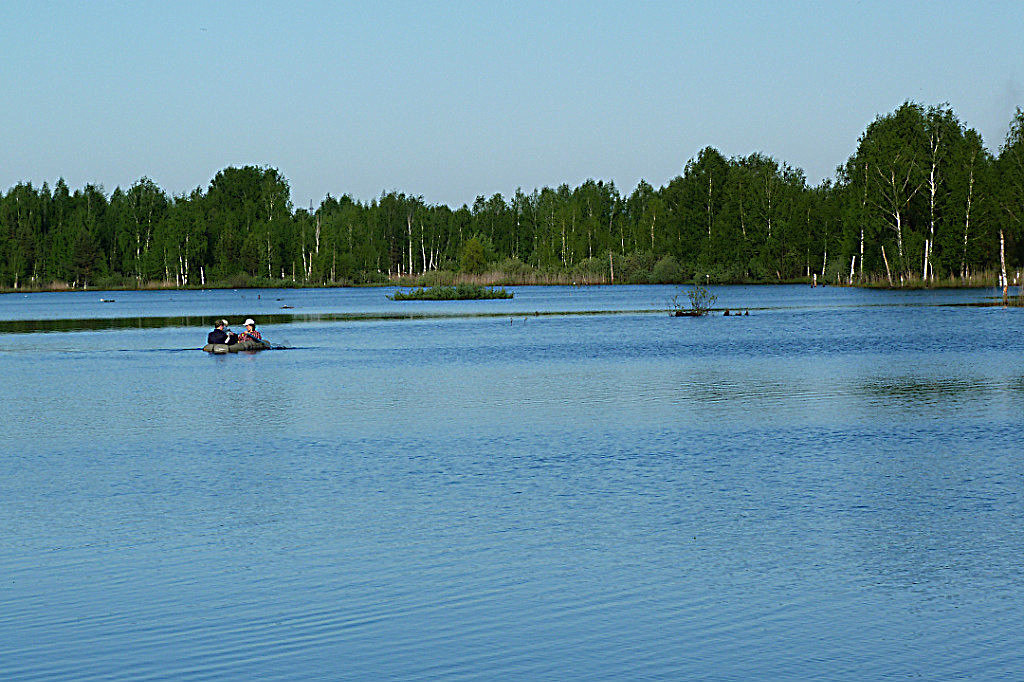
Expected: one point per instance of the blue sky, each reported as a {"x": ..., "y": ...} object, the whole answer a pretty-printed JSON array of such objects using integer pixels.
[{"x": 459, "y": 99}]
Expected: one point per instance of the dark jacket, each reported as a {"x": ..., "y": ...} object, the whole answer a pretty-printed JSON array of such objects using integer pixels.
[{"x": 218, "y": 336}]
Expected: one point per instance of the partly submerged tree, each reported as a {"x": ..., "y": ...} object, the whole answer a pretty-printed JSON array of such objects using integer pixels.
[{"x": 700, "y": 300}]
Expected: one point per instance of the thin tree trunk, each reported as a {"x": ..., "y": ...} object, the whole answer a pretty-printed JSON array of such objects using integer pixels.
[
  {"x": 269, "y": 273},
  {"x": 967, "y": 216},
  {"x": 860, "y": 272},
  {"x": 408, "y": 222},
  {"x": 1002, "y": 264},
  {"x": 423, "y": 249},
  {"x": 899, "y": 237},
  {"x": 934, "y": 141},
  {"x": 711, "y": 217},
  {"x": 888, "y": 272},
  {"x": 863, "y": 218}
]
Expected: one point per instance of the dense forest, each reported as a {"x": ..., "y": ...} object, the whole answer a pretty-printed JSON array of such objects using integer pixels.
[{"x": 921, "y": 201}]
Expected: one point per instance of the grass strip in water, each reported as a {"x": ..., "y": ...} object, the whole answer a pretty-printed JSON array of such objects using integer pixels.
[
  {"x": 461, "y": 292},
  {"x": 204, "y": 321}
]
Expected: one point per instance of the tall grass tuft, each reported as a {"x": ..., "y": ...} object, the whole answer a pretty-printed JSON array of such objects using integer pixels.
[{"x": 460, "y": 292}]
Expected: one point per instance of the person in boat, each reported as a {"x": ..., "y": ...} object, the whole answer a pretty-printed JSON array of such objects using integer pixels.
[
  {"x": 221, "y": 334},
  {"x": 250, "y": 333}
]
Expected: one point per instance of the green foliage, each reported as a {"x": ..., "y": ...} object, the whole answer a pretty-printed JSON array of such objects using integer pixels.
[
  {"x": 635, "y": 267},
  {"x": 461, "y": 292},
  {"x": 700, "y": 300},
  {"x": 1010, "y": 170},
  {"x": 919, "y": 185},
  {"x": 666, "y": 271},
  {"x": 435, "y": 278},
  {"x": 515, "y": 269},
  {"x": 473, "y": 259},
  {"x": 590, "y": 270}
]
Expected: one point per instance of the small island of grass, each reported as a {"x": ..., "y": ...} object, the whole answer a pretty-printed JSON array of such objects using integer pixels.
[{"x": 461, "y": 292}]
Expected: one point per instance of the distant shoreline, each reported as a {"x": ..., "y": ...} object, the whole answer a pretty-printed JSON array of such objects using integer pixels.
[{"x": 984, "y": 280}]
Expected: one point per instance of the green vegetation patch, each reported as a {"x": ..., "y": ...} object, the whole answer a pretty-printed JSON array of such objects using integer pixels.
[
  {"x": 461, "y": 292},
  {"x": 701, "y": 301}
]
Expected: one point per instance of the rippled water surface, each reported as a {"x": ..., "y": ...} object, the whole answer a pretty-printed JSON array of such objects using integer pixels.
[{"x": 830, "y": 487}]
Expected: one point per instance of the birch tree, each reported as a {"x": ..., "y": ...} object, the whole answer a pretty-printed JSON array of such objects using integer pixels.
[{"x": 1010, "y": 171}]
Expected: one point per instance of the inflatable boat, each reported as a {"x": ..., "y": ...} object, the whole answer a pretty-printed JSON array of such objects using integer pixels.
[{"x": 247, "y": 345}]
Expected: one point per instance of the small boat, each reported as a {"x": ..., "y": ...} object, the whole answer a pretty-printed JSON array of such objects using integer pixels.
[{"x": 247, "y": 345}]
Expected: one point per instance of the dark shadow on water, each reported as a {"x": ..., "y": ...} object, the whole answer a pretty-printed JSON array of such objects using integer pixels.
[
  {"x": 915, "y": 388},
  {"x": 204, "y": 322},
  {"x": 108, "y": 323}
]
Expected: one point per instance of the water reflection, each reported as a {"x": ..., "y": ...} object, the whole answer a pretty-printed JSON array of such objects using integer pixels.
[{"x": 814, "y": 491}]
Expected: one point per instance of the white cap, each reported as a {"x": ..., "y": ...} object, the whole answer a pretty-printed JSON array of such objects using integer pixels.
[{"x": 249, "y": 321}]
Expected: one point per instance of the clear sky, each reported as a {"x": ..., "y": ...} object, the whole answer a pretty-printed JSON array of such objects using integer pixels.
[{"x": 451, "y": 100}]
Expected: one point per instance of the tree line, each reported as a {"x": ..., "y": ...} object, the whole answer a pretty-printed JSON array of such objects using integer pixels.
[{"x": 920, "y": 200}]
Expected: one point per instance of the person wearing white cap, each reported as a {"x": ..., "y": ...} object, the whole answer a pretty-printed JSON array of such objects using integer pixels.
[{"x": 250, "y": 333}]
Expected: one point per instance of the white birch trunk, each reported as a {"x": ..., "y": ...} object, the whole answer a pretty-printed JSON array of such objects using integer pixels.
[
  {"x": 967, "y": 216},
  {"x": 423, "y": 249},
  {"x": 860, "y": 272},
  {"x": 408, "y": 225},
  {"x": 888, "y": 272},
  {"x": 1002, "y": 263},
  {"x": 933, "y": 188},
  {"x": 899, "y": 235}
]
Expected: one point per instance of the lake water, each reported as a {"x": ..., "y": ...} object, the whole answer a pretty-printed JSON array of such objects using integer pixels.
[{"x": 831, "y": 487}]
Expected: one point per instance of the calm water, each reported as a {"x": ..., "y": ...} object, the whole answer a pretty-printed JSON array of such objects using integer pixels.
[{"x": 831, "y": 487}]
